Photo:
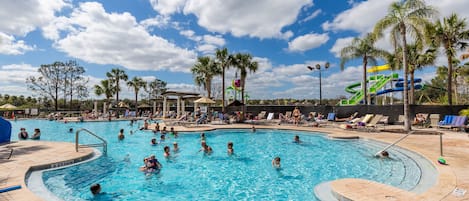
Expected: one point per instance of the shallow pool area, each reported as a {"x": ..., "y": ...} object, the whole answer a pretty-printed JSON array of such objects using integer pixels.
[{"x": 192, "y": 175}]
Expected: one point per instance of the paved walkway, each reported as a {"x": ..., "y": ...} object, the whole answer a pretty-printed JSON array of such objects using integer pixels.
[
  {"x": 34, "y": 155},
  {"x": 451, "y": 176}
]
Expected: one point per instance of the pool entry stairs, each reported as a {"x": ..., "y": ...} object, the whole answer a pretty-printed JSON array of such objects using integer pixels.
[{"x": 103, "y": 142}]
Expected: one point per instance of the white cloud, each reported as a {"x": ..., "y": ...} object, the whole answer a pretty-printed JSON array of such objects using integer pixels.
[
  {"x": 360, "y": 18},
  {"x": 10, "y": 46},
  {"x": 167, "y": 7},
  {"x": 116, "y": 38},
  {"x": 21, "y": 17},
  {"x": 339, "y": 44},
  {"x": 312, "y": 16},
  {"x": 13, "y": 78},
  {"x": 246, "y": 18},
  {"x": 307, "y": 42},
  {"x": 215, "y": 40},
  {"x": 447, "y": 7},
  {"x": 158, "y": 21}
]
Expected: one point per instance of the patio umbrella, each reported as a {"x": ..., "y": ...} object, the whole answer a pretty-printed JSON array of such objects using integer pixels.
[
  {"x": 8, "y": 106},
  {"x": 204, "y": 100},
  {"x": 144, "y": 106}
]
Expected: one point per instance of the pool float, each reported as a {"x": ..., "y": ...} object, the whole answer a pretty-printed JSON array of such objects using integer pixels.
[
  {"x": 442, "y": 161},
  {"x": 11, "y": 188}
]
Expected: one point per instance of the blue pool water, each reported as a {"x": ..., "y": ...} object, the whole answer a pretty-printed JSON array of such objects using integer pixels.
[{"x": 191, "y": 175}]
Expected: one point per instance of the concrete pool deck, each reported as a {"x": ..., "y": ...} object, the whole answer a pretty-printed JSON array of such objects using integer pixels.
[{"x": 33, "y": 154}]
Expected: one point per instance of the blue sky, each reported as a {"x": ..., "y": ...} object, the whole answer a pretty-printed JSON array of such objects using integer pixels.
[{"x": 162, "y": 39}]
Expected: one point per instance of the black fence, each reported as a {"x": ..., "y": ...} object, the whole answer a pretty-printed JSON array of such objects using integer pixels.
[{"x": 393, "y": 111}]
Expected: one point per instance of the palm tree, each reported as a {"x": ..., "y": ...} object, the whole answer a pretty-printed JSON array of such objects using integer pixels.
[
  {"x": 115, "y": 76},
  {"x": 451, "y": 34},
  {"x": 244, "y": 63},
  {"x": 224, "y": 60},
  {"x": 404, "y": 17},
  {"x": 136, "y": 84},
  {"x": 204, "y": 71},
  {"x": 417, "y": 58},
  {"x": 362, "y": 48},
  {"x": 105, "y": 88}
]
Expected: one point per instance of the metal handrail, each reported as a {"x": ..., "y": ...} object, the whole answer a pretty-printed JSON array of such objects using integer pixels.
[
  {"x": 104, "y": 143},
  {"x": 394, "y": 143}
]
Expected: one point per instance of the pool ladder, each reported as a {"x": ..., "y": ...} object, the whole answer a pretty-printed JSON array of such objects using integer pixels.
[{"x": 103, "y": 142}]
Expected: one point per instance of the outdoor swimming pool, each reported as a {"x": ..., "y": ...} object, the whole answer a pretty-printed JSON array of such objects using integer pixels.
[{"x": 191, "y": 175}]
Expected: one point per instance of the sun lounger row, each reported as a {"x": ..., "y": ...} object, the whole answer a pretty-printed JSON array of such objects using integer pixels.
[{"x": 453, "y": 121}]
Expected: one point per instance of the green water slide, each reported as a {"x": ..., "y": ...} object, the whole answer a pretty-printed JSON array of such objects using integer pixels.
[{"x": 379, "y": 82}]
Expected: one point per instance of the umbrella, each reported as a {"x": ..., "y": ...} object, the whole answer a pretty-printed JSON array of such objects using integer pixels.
[
  {"x": 123, "y": 104},
  {"x": 204, "y": 100},
  {"x": 144, "y": 106},
  {"x": 8, "y": 106},
  {"x": 235, "y": 103}
]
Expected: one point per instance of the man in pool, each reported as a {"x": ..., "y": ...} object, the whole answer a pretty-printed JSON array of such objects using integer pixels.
[
  {"x": 384, "y": 154},
  {"x": 95, "y": 189},
  {"x": 175, "y": 147},
  {"x": 296, "y": 139},
  {"x": 230, "y": 149},
  {"x": 167, "y": 153},
  {"x": 153, "y": 142},
  {"x": 253, "y": 129},
  {"x": 205, "y": 148},
  {"x": 121, "y": 135},
  {"x": 276, "y": 162},
  {"x": 202, "y": 137}
]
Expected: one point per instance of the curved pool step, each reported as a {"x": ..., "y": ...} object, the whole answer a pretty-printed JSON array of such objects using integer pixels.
[
  {"x": 323, "y": 192},
  {"x": 343, "y": 136}
]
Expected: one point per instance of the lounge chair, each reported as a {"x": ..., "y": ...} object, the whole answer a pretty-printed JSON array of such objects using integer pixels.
[
  {"x": 434, "y": 120},
  {"x": 331, "y": 116},
  {"x": 447, "y": 120},
  {"x": 373, "y": 124},
  {"x": 458, "y": 122},
  {"x": 285, "y": 118},
  {"x": 400, "y": 120}
]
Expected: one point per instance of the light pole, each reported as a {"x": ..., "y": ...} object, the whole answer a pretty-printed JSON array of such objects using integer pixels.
[{"x": 318, "y": 67}]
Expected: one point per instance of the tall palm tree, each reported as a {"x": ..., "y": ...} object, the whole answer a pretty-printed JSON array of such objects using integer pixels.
[
  {"x": 136, "y": 84},
  {"x": 362, "y": 48},
  {"x": 244, "y": 63},
  {"x": 115, "y": 76},
  {"x": 105, "y": 88},
  {"x": 204, "y": 71},
  {"x": 451, "y": 33},
  {"x": 417, "y": 58},
  {"x": 224, "y": 60},
  {"x": 405, "y": 17}
]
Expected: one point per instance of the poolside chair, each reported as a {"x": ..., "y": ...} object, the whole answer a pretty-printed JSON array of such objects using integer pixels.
[
  {"x": 400, "y": 120},
  {"x": 447, "y": 120},
  {"x": 285, "y": 118},
  {"x": 434, "y": 120},
  {"x": 331, "y": 116},
  {"x": 458, "y": 122},
  {"x": 261, "y": 115},
  {"x": 372, "y": 125}
]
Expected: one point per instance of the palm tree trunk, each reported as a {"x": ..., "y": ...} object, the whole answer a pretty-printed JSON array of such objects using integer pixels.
[
  {"x": 242, "y": 98},
  {"x": 412, "y": 88},
  {"x": 117, "y": 91},
  {"x": 406, "y": 72},
  {"x": 136, "y": 102},
  {"x": 223, "y": 89},
  {"x": 450, "y": 75},
  {"x": 365, "y": 95}
]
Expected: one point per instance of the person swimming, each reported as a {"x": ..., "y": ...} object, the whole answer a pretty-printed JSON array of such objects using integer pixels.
[
  {"x": 202, "y": 137},
  {"x": 276, "y": 162},
  {"x": 175, "y": 147},
  {"x": 296, "y": 139},
  {"x": 153, "y": 142},
  {"x": 121, "y": 135},
  {"x": 253, "y": 129},
  {"x": 95, "y": 189},
  {"x": 167, "y": 153},
  {"x": 230, "y": 149}
]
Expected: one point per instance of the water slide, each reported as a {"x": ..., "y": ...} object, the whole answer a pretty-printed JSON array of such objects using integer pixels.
[
  {"x": 5, "y": 131},
  {"x": 379, "y": 82},
  {"x": 400, "y": 86}
]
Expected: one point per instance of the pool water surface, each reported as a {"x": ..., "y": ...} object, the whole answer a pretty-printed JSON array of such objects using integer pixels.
[{"x": 193, "y": 175}]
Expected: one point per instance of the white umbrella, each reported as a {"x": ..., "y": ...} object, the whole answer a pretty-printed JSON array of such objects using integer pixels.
[
  {"x": 204, "y": 100},
  {"x": 8, "y": 106}
]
